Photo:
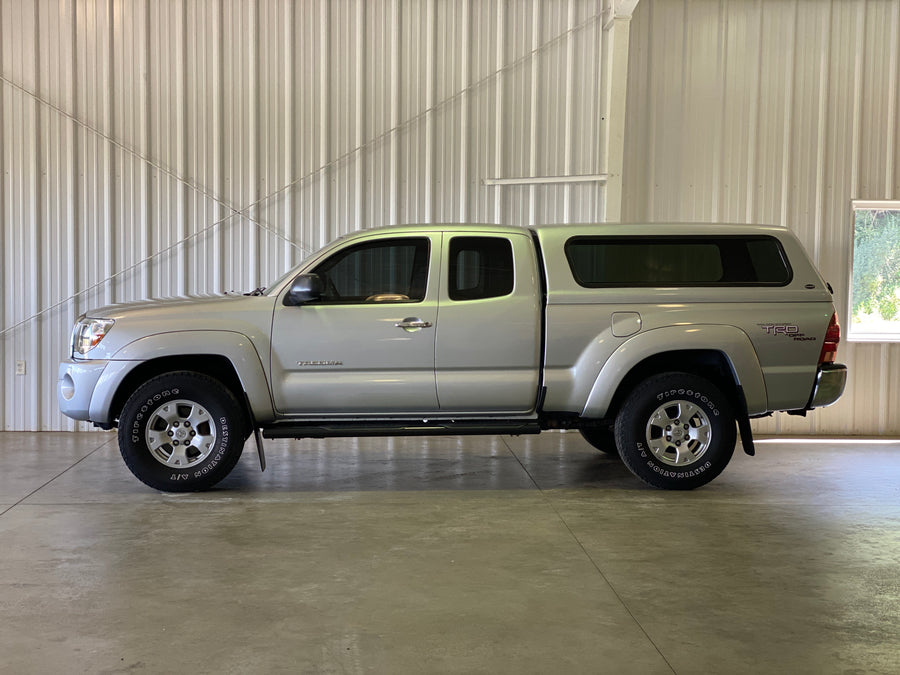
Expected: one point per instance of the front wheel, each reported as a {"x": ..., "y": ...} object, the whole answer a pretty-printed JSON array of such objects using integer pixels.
[
  {"x": 676, "y": 431},
  {"x": 181, "y": 432}
]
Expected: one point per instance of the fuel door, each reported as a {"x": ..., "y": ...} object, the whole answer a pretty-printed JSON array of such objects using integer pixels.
[{"x": 625, "y": 324}]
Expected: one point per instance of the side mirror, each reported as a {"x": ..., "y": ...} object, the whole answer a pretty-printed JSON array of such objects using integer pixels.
[{"x": 305, "y": 288}]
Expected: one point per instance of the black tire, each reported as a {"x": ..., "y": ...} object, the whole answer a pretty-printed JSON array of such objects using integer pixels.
[
  {"x": 676, "y": 431},
  {"x": 602, "y": 438},
  {"x": 182, "y": 432}
]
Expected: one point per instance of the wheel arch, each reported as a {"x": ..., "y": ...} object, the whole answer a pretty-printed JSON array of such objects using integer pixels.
[
  {"x": 227, "y": 357},
  {"x": 213, "y": 365},
  {"x": 722, "y": 354},
  {"x": 706, "y": 363}
]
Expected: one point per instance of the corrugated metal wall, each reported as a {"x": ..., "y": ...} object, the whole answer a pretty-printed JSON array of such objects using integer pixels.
[
  {"x": 774, "y": 112},
  {"x": 154, "y": 148}
]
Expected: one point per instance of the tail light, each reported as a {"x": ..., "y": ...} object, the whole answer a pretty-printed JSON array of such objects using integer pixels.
[{"x": 832, "y": 338}]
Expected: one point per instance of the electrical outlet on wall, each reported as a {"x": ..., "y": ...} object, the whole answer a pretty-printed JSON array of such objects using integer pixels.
[{"x": 20, "y": 367}]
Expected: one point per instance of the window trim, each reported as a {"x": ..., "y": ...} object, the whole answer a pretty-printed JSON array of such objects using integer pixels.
[
  {"x": 864, "y": 205},
  {"x": 662, "y": 238}
]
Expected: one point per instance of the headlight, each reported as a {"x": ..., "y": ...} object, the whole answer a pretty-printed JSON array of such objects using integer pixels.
[{"x": 88, "y": 333}]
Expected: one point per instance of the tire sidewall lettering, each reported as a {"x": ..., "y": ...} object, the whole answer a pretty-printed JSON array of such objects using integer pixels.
[
  {"x": 667, "y": 472},
  {"x": 641, "y": 450},
  {"x": 689, "y": 394}
]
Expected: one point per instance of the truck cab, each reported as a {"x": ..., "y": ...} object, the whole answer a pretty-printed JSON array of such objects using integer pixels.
[{"x": 412, "y": 322}]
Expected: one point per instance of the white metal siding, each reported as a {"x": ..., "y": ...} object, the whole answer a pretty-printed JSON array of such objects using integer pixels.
[
  {"x": 773, "y": 112},
  {"x": 155, "y": 148}
]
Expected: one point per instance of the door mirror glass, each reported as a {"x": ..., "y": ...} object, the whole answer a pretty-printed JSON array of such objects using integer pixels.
[{"x": 305, "y": 288}]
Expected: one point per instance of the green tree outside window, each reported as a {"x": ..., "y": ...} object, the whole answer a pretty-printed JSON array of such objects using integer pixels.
[{"x": 875, "y": 291}]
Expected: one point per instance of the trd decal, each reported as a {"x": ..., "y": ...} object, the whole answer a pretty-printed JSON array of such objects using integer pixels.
[
  {"x": 779, "y": 329},
  {"x": 786, "y": 329}
]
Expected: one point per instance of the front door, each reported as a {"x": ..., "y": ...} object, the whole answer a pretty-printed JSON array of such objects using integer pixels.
[{"x": 367, "y": 346}]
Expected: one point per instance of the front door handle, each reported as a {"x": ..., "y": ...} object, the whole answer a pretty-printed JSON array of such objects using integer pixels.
[{"x": 412, "y": 323}]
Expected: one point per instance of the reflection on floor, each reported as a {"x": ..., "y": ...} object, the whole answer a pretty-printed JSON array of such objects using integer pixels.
[{"x": 497, "y": 554}]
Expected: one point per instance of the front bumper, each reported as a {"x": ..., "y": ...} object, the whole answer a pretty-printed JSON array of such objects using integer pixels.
[
  {"x": 830, "y": 381},
  {"x": 75, "y": 386}
]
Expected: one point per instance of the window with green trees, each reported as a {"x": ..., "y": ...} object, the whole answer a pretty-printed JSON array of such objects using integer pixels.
[{"x": 875, "y": 283}]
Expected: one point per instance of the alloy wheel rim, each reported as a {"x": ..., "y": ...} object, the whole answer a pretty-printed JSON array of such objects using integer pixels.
[
  {"x": 679, "y": 433},
  {"x": 180, "y": 434}
]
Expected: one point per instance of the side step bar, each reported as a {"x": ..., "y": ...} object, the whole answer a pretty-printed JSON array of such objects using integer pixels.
[{"x": 400, "y": 428}]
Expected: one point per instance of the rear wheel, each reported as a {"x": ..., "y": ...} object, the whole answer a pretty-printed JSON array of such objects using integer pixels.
[
  {"x": 676, "y": 431},
  {"x": 182, "y": 432}
]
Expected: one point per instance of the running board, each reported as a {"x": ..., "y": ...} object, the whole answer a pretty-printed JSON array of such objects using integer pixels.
[{"x": 400, "y": 428}]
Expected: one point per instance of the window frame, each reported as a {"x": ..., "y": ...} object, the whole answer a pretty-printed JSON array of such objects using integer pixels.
[{"x": 858, "y": 335}]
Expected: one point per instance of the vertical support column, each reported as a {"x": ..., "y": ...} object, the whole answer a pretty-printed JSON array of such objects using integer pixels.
[
  {"x": 431, "y": 12},
  {"x": 254, "y": 212},
  {"x": 499, "y": 121},
  {"x": 465, "y": 102},
  {"x": 363, "y": 190},
  {"x": 147, "y": 208},
  {"x": 325, "y": 127},
  {"x": 289, "y": 129},
  {"x": 536, "y": 37},
  {"x": 616, "y": 27},
  {"x": 183, "y": 197},
  {"x": 36, "y": 245},
  {"x": 395, "y": 111}
]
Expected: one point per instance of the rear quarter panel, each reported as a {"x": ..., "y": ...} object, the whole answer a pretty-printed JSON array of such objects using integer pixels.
[{"x": 783, "y": 326}]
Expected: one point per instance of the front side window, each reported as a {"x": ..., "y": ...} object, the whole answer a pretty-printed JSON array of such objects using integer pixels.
[
  {"x": 392, "y": 270},
  {"x": 875, "y": 279},
  {"x": 480, "y": 267},
  {"x": 598, "y": 262}
]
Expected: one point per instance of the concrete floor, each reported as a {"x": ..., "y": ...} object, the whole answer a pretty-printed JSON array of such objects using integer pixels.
[{"x": 443, "y": 555}]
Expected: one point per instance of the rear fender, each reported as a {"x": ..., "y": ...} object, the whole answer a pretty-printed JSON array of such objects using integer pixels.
[{"x": 731, "y": 342}]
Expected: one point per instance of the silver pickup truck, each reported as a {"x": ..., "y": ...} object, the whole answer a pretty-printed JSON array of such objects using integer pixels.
[{"x": 655, "y": 341}]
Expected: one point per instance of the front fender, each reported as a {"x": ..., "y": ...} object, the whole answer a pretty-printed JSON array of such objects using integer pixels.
[
  {"x": 236, "y": 347},
  {"x": 731, "y": 342}
]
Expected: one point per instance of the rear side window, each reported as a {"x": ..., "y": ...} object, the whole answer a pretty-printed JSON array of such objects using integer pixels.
[
  {"x": 678, "y": 261},
  {"x": 480, "y": 267}
]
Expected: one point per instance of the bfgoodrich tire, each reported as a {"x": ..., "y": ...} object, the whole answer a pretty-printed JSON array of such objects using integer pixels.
[
  {"x": 676, "y": 431},
  {"x": 181, "y": 432}
]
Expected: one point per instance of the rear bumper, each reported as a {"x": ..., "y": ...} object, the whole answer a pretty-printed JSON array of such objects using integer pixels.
[{"x": 830, "y": 381}]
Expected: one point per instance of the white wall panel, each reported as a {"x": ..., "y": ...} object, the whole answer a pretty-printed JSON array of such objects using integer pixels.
[
  {"x": 167, "y": 147},
  {"x": 775, "y": 112}
]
